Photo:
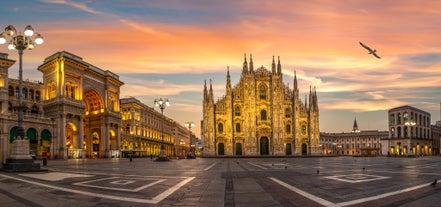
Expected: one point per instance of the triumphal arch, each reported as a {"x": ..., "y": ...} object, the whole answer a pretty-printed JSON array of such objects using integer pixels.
[{"x": 83, "y": 101}]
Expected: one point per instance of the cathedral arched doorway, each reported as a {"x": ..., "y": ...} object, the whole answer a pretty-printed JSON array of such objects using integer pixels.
[
  {"x": 264, "y": 146},
  {"x": 304, "y": 149},
  {"x": 220, "y": 149},
  {"x": 288, "y": 149},
  {"x": 238, "y": 148}
]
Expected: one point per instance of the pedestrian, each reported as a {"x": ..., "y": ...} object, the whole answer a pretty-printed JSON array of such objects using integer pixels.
[{"x": 151, "y": 156}]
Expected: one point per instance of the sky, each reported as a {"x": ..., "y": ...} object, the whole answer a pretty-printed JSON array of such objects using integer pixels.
[{"x": 168, "y": 48}]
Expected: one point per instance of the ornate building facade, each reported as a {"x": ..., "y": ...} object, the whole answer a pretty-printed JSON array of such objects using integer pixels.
[
  {"x": 260, "y": 116},
  {"x": 73, "y": 113}
]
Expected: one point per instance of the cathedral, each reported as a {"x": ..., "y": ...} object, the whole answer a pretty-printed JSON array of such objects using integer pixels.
[{"x": 260, "y": 116}]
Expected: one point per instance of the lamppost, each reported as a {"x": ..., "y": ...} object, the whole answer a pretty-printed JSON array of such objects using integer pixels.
[
  {"x": 20, "y": 42},
  {"x": 190, "y": 124},
  {"x": 162, "y": 104},
  {"x": 410, "y": 124}
]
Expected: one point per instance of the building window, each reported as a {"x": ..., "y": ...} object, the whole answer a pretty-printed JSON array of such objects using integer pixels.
[
  {"x": 405, "y": 117},
  {"x": 237, "y": 111},
  {"x": 220, "y": 128},
  {"x": 237, "y": 127},
  {"x": 288, "y": 129},
  {"x": 303, "y": 129},
  {"x": 70, "y": 90},
  {"x": 287, "y": 112},
  {"x": 392, "y": 119},
  {"x": 263, "y": 115},
  {"x": 262, "y": 92},
  {"x": 398, "y": 118}
]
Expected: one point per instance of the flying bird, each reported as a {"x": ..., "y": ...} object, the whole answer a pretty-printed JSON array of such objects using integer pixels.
[{"x": 373, "y": 52}]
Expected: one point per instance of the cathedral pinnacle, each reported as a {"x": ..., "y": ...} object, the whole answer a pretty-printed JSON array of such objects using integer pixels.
[
  {"x": 251, "y": 63},
  {"x": 245, "y": 64},
  {"x": 279, "y": 66},
  {"x": 273, "y": 66}
]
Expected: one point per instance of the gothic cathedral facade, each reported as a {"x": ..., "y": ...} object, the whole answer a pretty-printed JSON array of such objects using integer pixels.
[{"x": 260, "y": 116}]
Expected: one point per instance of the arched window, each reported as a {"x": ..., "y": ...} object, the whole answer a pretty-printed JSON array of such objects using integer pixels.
[
  {"x": 288, "y": 129},
  {"x": 398, "y": 118},
  {"x": 304, "y": 129},
  {"x": 405, "y": 117},
  {"x": 237, "y": 111},
  {"x": 287, "y": 112},
  {"x": 262, "y": 92},
  {"x": 398, "y": 132},
  {"x": 237, "y": 127},
  {"x": 263, "y": 115},
  {"x": 220, "y": 128},
  {"x": 392, "y": 119}
]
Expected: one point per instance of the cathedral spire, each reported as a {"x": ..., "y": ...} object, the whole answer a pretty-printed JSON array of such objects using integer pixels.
[
  {"x": 210, "y": 93},
  {"x": 245, "y": 64},
  {"x": 205, "y": 89},
  {"x": 355, "y": 126},
  {"x": 295, "y": 80},
  {"x": 251, "y": 64},
  {"x": 273, "y": 67},
  {"x": 228, "y": 80},
  {"x": 279, "y": 66}
]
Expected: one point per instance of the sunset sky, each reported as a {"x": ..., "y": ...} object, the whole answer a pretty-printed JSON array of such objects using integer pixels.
[{"x": 167, "y": 48}]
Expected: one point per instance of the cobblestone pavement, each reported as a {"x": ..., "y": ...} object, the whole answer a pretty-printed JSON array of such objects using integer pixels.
[{"x": 307, "y": 181}]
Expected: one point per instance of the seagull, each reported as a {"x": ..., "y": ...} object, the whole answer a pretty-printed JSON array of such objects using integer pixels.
[{"x": 373, "y": 52}]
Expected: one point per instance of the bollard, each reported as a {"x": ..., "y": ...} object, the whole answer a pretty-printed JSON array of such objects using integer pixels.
[{"x": 44, "y": 161}]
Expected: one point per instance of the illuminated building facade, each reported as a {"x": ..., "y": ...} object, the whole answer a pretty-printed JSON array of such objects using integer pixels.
[
  {"x": 260, "y": 116},
  {"x": 409, "y": 128},
  {"x": 142, "y": 127}
]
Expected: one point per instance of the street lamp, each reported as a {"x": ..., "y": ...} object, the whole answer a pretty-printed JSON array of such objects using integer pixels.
[
  {"x": 162, "y": 104},
  {"x": 190, "y": 124},
  {"x": 410, "y": 124},
  {"x": 20, "y": 42}
]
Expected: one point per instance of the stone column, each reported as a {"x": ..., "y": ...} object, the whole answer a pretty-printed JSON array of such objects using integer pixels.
[
  {"x": 61, "y": 125},
  {"x": 81, "y": 137}
]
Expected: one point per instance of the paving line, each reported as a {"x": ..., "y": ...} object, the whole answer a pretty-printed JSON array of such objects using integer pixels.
[
  {"x": 257, "y": 166},
  {"x": 207, "y": 168},
  {"x": 303, "y": 193},
  {"x": 347, "y": 203},
  {"x": 155, "y": 200},
  {"x": 169, "y": 191},
  {"x": 362, "y": 200}
]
